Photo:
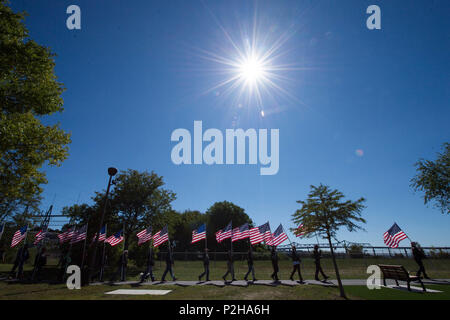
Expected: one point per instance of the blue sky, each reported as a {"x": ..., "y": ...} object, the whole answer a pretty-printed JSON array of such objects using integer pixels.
[{"x": 135, "y": 72}]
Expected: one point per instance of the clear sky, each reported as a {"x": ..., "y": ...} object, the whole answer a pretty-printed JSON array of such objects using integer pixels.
[{"x": 355, "y": 108}]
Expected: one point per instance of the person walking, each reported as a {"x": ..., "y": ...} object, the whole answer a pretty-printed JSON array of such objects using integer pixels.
[
  {"x": 150, "y": 264},
  {"x": 21, "y": 257},
  {"x": 251, "y": 267},
  {"x": 205, "y": 265},
  {"x": 230, "y": 267},
  {"x": 121, "y": 267},
  {"x": 419, "y": 255},
  {"x": 317, "y": 254},
  {"x": 274, "y": 258},
  {"x": 39, "y": 262},
  {"x": 169, "y": 264},
  {"x": 296, "y": 264}
]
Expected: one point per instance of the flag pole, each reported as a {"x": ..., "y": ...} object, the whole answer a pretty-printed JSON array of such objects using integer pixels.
[
  {"x": 102, "y": 263},
  {"x": 206, "y": 239},
  {"x": 84, "y": 246}
]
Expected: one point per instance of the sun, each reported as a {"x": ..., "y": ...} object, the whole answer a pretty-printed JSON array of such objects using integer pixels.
[{"x": 251, "y": 70}]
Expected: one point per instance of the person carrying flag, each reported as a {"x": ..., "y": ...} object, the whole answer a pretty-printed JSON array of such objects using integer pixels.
[
  {"x": 21, "y": 257},
  {"x": 250, "y": 265},
  {"x": 317, "y": 254},
  {"x": 230, "y": 267},
  {"x": 205, "y": 265},
  {"x": 121, "y": 267},
  {"x": 149, "y": 271},
  {"x": 274, "y": 258},
  {"x": 39, "y": 262},
  {"x": 296, "y": 264},
  {"x": 169, "y": 264},
  {"x": 418, "y": 255}
]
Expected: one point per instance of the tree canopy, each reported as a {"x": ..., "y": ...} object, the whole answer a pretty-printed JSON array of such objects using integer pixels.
[
  {"x": 324, "y": 212},
  {"x": 29, "y": 91},
  {"x": 433, "y": 178}
]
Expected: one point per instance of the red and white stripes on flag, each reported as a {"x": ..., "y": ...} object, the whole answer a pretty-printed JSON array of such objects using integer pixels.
[
  {"x": 240, "y": 233},
  {"x": 278, "y": 237},
  {"x": 260, "y": 234},
  {"x": 223, "y": 234},
  {"x": 115, "y": 239},
  {"x": 144, "y": 235},
  {"x": 393, "y": 236},
  {"x": 300, "y": 232},
  {"x": 161, "y": 237},
  {"x": 218, "y": 237},
  {"x": 102, "y": 236},
  {"x": 79, "y": 235},
  {"x": 19, "y": 235},
  {"x": 39, "y": 236},
  {"x": 199, "y": 233},
  {"x": 66, "y": 235}
]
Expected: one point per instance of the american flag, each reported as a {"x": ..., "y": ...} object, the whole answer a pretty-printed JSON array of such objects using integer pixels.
[
  {"x": 66, "y": 235},
  {"x": 300, "y": 231},
  {"x": 19, "y": 235},
  {"x": 199, "y": 233},
  {"x": 39, "y": 236},
  {"x": 79, "y": 235},
  {"x": 218, "y": 233},
  {"x": 393, "y": 236},
  {"x": 102, "y": 236},
  {"x": 278, "y": 237},
  {"x": 115, "y": 239},
  {"x": 240, "y": 233},
  {"x": 161, "y": 237},
  {"x": 225, "y": 233},
  {"x": 260, "y": 234},
  {"x": 144, "y": 235}
]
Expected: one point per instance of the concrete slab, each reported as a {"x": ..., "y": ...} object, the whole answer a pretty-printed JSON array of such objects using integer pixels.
[
  {"x": 413, "y": 289},
  {"x": 139, "y": 292}
]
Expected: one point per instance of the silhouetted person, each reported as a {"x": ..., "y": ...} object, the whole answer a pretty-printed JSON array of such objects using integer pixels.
[
  {"x": 63, "y": 263},
  {"x": 2, "y": 255},
  {"x": 251, "y": 268},
  {"x": 39, "y": 262},
  {"x": 206, "y": 266},
  {"x": 230, "y": 267},
  {"x": 21, "y": 257},
  {"x": 296, "y": 264},
  {"x": 150, "y": 264},
  {"x": 169, "y": 264},
  {"x": 317, "y": 254},
  {"x": 121, "y": 267},
  {"x": 274, "y": 258},
  {"x": 419, "y": 255}
]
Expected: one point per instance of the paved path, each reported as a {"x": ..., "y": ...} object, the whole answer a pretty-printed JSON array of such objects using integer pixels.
[{"x": 242, "y": 283}]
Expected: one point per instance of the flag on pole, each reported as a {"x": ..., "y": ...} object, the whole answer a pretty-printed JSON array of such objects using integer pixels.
[
  {"x": 66, "y": 235},
  {"x": 225, "y": 233},
  {"x": 278, "y": 237},
  {"x": 199, "y": 233},
  {"x": 115, "y": 239},
  {"x": 161, "y": 237},
  {"x": 260, "y": 234},
  {"x": 300, "y": 232},
  {"x": 39, "y": 236},
  {"x": 218, "y": 233},
  {"x": 240, "y": 233},
  {"x": 79, "y": 235},
  {"x": 393, "y": 236},
  {"x": 144, "y": 236},
  {"x": 19, "y": 235},
  {"x": 102, "y": 236}
]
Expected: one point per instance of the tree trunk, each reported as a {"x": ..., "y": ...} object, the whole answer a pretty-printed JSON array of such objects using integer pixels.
[{"x": 341, "y": 287}]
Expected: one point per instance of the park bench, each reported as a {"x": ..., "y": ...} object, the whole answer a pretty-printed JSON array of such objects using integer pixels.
[{"x": 398, "y": 273}]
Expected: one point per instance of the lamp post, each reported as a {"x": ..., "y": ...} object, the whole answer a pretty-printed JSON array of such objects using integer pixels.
[{"x": 111, "y": 172}]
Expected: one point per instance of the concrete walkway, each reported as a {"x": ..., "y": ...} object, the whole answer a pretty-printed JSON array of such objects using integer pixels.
[{"x": 242, "y": 283}]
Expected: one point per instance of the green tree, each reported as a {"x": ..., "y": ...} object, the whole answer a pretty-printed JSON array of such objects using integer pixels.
[
  {"x": 29, "y": 91},
  {"x": 433, "y": 178},
  {"x": 139, "y": 200},
  {"x": 323, "y": 213},
  {"x": 218, "y": 217}
]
